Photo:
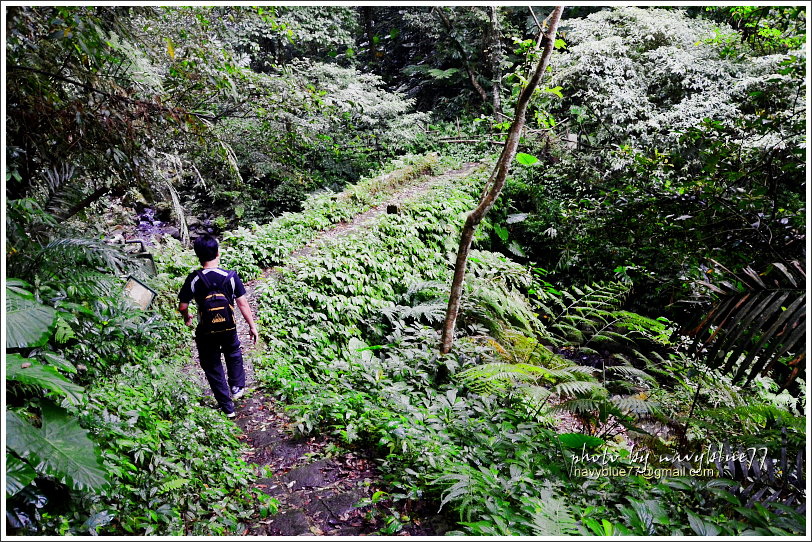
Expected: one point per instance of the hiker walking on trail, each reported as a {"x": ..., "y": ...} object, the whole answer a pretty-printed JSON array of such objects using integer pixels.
[{"x": 216, "y": 290}]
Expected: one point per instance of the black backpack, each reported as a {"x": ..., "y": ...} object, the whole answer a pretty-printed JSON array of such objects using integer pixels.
[{"x": 216, "y": 310}]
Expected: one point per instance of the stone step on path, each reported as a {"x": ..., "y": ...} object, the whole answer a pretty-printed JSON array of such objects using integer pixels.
[{"x": 321, "y": 489}]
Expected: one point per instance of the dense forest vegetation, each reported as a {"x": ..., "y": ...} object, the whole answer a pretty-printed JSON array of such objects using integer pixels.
[{"x": 629, "y": 354}]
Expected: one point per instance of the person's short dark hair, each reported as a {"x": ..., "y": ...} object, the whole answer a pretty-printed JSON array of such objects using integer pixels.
[{"x": 206, "y": 248}]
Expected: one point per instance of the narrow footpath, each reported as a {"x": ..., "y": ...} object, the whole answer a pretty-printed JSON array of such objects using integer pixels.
[{"x": 322, "y": 489}]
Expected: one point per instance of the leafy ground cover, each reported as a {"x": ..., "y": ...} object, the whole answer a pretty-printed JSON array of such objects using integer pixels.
[
  {"x": 661, "y": 188},
  {"x": 351, "y": 346},
  {"x": 95, "y": 362},
  {"x": 539, "y": 376},
  {"x": 257, "y": 247},
  {"x": 109, "y": 436}
]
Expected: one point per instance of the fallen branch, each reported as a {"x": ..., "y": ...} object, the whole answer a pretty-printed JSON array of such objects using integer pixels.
[{"x": 453, "y": 140}]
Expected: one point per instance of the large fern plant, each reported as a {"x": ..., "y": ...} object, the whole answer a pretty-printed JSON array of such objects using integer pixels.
[
  {"x": 606, "y": 382},
  {"x": 757, "y": 325},
  {"x": 591, "y": 319}
]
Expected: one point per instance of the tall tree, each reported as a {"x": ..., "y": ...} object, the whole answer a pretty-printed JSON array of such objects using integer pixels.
[
  {"x": 496, "y": 181},
  {"x": 495, "y": 57},
  {"x": 473, "y": 76},
  {"x": 97, "y": 92}
]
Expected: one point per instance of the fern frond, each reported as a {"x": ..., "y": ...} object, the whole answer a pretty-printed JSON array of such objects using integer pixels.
[
  {"x": 574, "y": 372},
  {"x": 653, "y": 358},
  {"x": 643, "y": 325},
  {"x": 496, "y": 304},
  {"x": 460, "y": 489},
  {"x": 500, "y": 350},
  {"x": 79, "y": 266},
  {"x": 537, "y": 394},
  {"x": 759, "y": 331},
  {"x": 576, "y": 388},
  {"x": 180, "y": 215},
  {"x": 544, "y": 309},
  {"x": 173, "y": 484},
  {"x": 501, "y": 374},
  {"x": 568, "y": 331},
  {"x": 628, "y": 371},
  {"x": 62, "y": 194},
  {"x": 636, "y": 405},
  {"x": 549, "y": 515},
  {"x": 580, "y": 405},
  {"x": 569, "y": 297}
]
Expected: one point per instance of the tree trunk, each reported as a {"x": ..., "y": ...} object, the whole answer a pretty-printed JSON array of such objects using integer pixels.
[
  {"x": 472, "y": 75},
  {"x": 495, "y": 56},
  {"x": 366, "y": 12},
  {"x": 495, "y": 182}
]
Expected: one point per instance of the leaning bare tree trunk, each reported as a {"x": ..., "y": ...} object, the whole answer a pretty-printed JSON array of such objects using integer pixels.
[{"x": 496, "y": 181}]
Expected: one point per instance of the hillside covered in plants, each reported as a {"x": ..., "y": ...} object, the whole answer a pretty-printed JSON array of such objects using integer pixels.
[{"x": 515, "y": 271}]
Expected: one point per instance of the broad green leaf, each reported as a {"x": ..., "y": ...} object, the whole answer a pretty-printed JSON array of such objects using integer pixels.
[
  {"x": 30, "y": 371},
  {"x": 18, "y": 475},
  {"x": 555, "y": 90},
  {"x": 60, "y": 448},
  {"x": 578, "y": 441},
  {"x": 501, "y": 232},
  {"x": 594, "y": 526},
  {"x": 526, "y": 159},
  {"x": 57, "y": 361},
  {"x": 701, "y": 527},
  {"x": 28, "y": 322},
  {"x": 515, "y": 248},
  {"x": 442, "y": 74},
  {"x": 19, "y": 286}
]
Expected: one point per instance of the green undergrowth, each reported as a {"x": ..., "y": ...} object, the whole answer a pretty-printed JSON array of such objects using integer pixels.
[
  {"x": 176, "y": 465},
  {"x": 349, "y": 348},
  {"x": 250, "y": 249},
  {"x": 153, "y": 461},
  {"x": 352, "y": 345},
  {"x": 173, "y": 467}
]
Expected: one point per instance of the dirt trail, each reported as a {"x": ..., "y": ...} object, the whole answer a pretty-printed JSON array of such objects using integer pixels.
[{"x": 320, "y": 491}]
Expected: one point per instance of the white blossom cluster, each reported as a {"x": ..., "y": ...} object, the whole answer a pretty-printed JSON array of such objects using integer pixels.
[{"x": 644, "y": 76}]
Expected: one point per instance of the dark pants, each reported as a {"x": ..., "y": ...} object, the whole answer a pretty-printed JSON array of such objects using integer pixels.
[{"x": 209, "y": 349}]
